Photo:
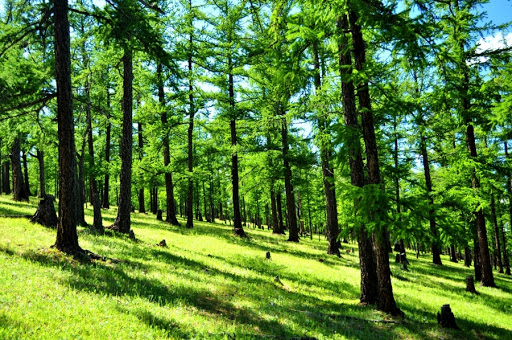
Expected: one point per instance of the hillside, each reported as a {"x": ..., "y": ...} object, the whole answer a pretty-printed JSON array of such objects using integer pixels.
[{"x": 209, "y": 284}]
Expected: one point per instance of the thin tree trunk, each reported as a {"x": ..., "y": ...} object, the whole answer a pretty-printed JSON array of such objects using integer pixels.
[
  {"x": 6, "y": 186},
  {"x": 509, "y": 192},
  {"x": 122, "y": 222},
  {"x": 487, "y": 275},
  {"x": 386, "y": 301},
  {"x": 18, "y": 184},
  {"x": 190, "y": 135},
  {"x": 42, "y": 181},
  {"x": 293, "y": 234},
  {"x": 25, "y": 174},
  {"x": 273, "y": 205},
  {"x": 142, "y": 204},
  {"x": 106, "y": 187},
  {"x": 327, "y": 171},
  {"x": 93, "y": 187},
  {"x": 67, "y": 238},
  {"x": 169, "y": 186},
  {"x": 369, "y": 288},
  {"x": 496, "y": 234}
]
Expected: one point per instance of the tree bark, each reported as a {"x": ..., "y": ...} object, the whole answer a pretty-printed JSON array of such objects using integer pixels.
[
  {"x": 106, "y": 186},
  {"x": 487, "y": 275},
  {"x": 333, "y": 247},
  {"x": 25, "y": 174},
  {"x": 369, "y": 287},
  {"x": 123, "y": 220},
  {"x": 67, "y": 238},
  {"x": 293, "y": 234},
  {"x": 190, "y": 135},
  {"x": 42, "y": 181},
  {"x": 496, "y": 234},
  {"x": 93, "y": 187},
  {"x": 142, "y": 204},
  {"x": 509, "y": 192},
  {"x": 6, "y": 185},
  {"x": 386, "y": 301},
  {"x": 18, "y": 183}
]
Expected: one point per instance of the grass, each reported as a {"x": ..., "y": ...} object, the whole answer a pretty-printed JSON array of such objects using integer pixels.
[{"x": 210, "y": 284}]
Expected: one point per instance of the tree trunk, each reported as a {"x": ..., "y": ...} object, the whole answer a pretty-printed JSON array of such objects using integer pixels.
[
  {"x": 6, "y": 185},
  {"x": 453, "y": 255},
  {"x": 205, "y": 206},
  {"x": 169, "y": 186},
  {"x": 142, "y": 204},
  {"x": 18, "y": 184},
  {"x": 369, "y": 288},
  {"x": 496, "y": 234},
  {"x": 327, "y": 170},
  {"x": 67, "y": 238},
  {"x": 386, "y": 301},
  {"x": 190, "y": 135},
  {"x": 93, "y": 187},
  {"x": 487, "y": 275},
  {"x": 25, "y": 174},
  {"x": 106, "y": 187},
  {"x": 293, "y": 234},
  {"x": 273, "y": 205},
  {"x": 123, "y": 220},
  {"x": 42, "y": 182},
  {"x": 509, "y": 192},
  {"x": 476, "y": 257},
  {"x": 80, "y": 187}
]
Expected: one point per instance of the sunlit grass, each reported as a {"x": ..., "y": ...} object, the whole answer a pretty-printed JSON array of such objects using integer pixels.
[{"x": 210, "y": 284}]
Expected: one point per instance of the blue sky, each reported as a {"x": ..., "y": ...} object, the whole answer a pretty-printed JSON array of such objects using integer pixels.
[{"x": 499, "y": 11}]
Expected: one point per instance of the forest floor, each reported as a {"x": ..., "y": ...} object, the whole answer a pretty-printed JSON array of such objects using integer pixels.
[{"x": 209, "y": 284}]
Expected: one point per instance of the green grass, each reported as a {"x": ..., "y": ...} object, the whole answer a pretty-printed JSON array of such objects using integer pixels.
[{"x": 210, "y": 284}]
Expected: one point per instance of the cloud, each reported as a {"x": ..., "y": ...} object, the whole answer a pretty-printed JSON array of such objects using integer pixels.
[{"x": 491, "y": 43}]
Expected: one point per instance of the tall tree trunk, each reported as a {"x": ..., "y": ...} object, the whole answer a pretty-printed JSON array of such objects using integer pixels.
[
  {"x": 487, "y": 275},
  {"x": 496, "y": 234},
  {"x": 142, "y": 204},
  {"x": 279, "y": 204},
  {"x": 18, "y": 184},
  {"x": 205, "y": 206},
  {"x": 509, "y": 192},
  {"x": 123, "y": 220},
  {"x": 333, "y": 247},
  {"x": 93, "y": 187},
  {"x": 369, "y": 288},
  {"x": 190, "y": 135},
  {"x": 25, "y": 174},
  {"x": 397, "y": 189},
  {"x": 42, "y": 180},
  {"x": 293, "y": 234},
  {"x": 169, "y": 186},
  {"x": 436, "y": 251},
  {"x": 106, "y": 187},
  {"x": 273, "y": 204},
  {"x": 67, "y": 238},
  {"x": 80, "y": 187},
  {"x": 386, "y": 301}
]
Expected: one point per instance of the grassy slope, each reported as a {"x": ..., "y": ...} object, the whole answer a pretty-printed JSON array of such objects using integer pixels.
[{"x": 208, "y": 283}]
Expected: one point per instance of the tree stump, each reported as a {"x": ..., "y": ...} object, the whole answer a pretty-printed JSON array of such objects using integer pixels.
[
  {"x": 159, "y": 214},
  {"x": 397, "y": 258},
  {"x": 162, "y": 244},
  {"x": 470, "y": 284},
  {"x": 45, "y": 213},
  {"x": 98, "y": 221},
  {"x": 446, "y": 319},
  {"x": 267, "y": 255}
]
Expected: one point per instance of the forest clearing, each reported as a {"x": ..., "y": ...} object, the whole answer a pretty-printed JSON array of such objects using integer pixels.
[{"x": 208, "y": 283}]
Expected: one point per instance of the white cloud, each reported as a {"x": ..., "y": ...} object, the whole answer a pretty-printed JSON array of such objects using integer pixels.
[{"x": 492, "y": 43}]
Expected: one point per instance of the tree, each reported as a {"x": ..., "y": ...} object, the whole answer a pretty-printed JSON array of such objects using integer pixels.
[{"x": 67, "y": 238}]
